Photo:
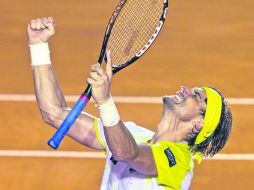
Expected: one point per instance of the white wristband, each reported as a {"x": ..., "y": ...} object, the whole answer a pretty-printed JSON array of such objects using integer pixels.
[
  {"x": 109, "y": 114},
  {"x": 40, "y": 54}
]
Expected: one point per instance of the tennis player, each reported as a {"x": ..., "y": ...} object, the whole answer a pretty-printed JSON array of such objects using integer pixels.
[{"x": 194, "y": 121}]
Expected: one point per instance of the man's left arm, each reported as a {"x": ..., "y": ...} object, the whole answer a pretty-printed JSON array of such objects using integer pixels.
[{"x": 120, "y": 141}]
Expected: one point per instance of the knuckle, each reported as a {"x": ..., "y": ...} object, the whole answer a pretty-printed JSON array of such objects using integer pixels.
[
  {"x": 91, "y": 75},
  {"x": 38, "y": 24},
  {"x": 33, "y": 25},
  {"x": 93, "y": 67},
  {"x": 94, "y": 74},
  {"x": 38, "y": 21}
]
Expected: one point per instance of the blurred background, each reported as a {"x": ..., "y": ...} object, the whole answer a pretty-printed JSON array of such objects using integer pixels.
[{"x": 202, "y": 43}]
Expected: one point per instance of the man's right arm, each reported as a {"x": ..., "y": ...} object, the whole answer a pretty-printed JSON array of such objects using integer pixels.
[{"x": 49, "y": 96}]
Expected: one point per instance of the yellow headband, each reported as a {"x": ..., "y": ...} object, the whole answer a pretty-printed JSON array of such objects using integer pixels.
[{"x": 212, "y": 117}]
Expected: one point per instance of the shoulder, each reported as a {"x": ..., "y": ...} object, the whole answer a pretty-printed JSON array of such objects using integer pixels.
[
  {"x": 174, "y": 153},
  {"x": 173, "y": 161}
]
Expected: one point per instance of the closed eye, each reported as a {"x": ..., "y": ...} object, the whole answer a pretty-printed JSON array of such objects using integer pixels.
[
  {"x": 198, "y": 94},
  {"x": 195, "y": 96}
]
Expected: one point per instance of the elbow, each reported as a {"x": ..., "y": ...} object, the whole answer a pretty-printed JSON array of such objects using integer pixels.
[
  {"x": 53, "y": 117},
  {"x": 125, "y": 156},
  {"x": 49, "y": 119}
]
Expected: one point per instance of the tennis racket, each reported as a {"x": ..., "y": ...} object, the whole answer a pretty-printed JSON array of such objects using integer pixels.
[{"x": 132, "y": 29}]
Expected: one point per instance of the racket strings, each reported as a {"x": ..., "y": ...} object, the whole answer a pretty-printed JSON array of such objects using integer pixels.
[
  {"x": 135, "y": 25},
  {"x": 137, "y": 20}
]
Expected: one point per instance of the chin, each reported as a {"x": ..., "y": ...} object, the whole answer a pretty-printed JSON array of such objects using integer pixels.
[{"x": 168, "y": 103}]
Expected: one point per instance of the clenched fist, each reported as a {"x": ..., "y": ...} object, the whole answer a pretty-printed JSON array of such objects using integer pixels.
[{"x": 40, "y": 30}]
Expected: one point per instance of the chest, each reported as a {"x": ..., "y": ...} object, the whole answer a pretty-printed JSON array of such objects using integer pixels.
[{"x": 125, "y": 177}]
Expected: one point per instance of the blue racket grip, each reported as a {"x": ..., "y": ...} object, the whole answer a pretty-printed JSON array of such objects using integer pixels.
[{"x": 55, "y": 141}]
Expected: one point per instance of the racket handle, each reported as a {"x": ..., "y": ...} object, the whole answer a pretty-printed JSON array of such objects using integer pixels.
[{"x": 55, "y": 141}]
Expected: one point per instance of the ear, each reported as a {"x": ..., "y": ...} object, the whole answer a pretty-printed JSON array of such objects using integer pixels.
[{"x": 197, "y": 126}]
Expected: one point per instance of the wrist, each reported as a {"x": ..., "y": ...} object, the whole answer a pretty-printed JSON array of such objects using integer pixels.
[
  {"x": 109, "y": 113},
  {"x": 40, "y": 54},
  {"x": 33, "y": 42},
  {"x": 103, "y": 101}
]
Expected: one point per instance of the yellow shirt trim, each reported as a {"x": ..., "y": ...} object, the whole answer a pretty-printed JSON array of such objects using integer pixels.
[{"x": 96, "y": 127}]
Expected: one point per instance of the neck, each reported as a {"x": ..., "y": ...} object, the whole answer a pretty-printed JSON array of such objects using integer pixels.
[{"x": 168, "y": 129}]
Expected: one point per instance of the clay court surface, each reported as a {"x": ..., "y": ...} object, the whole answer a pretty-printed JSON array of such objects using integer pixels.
[{"x": 202, "y": 43}]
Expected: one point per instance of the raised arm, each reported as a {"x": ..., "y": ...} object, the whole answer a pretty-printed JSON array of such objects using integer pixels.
[
  {"x": 119, "y": 140},
  {"x": 49, "y": 96}
]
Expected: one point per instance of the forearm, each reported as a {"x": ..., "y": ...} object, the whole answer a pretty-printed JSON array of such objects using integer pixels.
[
  {"x": 49, "y": 96},
  {"x": 121, "y": 142}
]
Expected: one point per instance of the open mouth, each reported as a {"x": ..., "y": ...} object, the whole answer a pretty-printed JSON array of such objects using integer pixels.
[
  {"x": 176, "y": 99},
  {"x": 180, "y": 96}
]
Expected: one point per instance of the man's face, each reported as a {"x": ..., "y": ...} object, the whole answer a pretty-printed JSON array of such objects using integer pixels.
[{"x": 187, "y": 104}]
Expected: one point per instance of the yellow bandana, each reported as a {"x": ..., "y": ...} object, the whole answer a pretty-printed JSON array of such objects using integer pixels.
[{"x": 212, "y": 117}]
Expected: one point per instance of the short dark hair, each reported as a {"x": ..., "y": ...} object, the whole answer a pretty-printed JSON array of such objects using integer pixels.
[{"x": 218, "y": 139}]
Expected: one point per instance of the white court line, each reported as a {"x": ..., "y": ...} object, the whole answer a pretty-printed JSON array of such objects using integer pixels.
[
  {"x": 79, "y": 154},
  {"x": 55, "y": 154},
  {"x": 119, "y": 99}
]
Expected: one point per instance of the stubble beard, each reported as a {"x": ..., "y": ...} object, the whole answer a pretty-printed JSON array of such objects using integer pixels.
[{"x": 168, "y": 106}]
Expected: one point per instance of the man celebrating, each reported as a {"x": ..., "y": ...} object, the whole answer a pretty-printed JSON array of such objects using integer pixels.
[{"x": 194, "y": 121}]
